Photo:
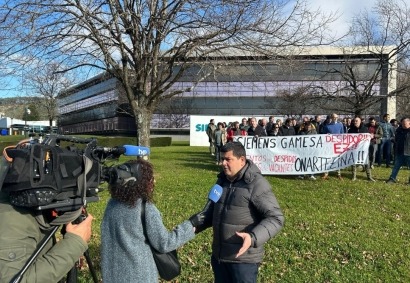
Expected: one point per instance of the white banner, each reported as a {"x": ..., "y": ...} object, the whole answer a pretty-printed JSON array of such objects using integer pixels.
[{"x": 306, "y": 154}]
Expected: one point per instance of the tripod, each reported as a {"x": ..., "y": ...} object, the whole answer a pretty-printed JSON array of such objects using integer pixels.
[{"x": 72, "y": 275}]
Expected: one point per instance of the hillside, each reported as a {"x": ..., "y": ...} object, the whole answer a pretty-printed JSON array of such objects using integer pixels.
[{"x": 13, "y": 107}]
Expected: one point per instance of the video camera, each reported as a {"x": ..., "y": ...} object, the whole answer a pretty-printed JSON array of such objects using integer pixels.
[{"x": 41, "y": 174}]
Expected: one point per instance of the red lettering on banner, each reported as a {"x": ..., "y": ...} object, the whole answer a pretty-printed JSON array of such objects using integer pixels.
[
  {"x": 339, "y": 148},
  {"x": 346, "y": 142},
  {"x": 284, "y": 158},
  {"x": 343, "y": 147},
  {"x": 280, "y": 168},
  {"x": 348, "y": 138}
]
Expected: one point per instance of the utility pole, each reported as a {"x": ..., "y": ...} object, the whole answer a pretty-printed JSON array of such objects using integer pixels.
[{"x": 27, "y": 111}]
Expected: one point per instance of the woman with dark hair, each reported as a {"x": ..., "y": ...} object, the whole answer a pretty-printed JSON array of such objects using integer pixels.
[{"x": 126, "y": 253}]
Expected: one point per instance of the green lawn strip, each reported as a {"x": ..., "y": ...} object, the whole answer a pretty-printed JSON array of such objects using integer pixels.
[{"x": 335, "y": 231}]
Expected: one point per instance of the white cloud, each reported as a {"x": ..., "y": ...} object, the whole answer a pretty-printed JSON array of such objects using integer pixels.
[{"x": 346, "y": 9}]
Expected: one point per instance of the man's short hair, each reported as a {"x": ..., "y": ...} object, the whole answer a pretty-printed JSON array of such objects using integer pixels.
[{"x": 237, "y": 148}]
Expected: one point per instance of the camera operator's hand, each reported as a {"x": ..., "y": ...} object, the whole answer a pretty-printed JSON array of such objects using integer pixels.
[
  {"x": 197, "y": 219},
  {"x": 82, "y": 229}
]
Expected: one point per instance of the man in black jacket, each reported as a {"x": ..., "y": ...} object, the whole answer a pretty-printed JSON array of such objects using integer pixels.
[
  {"x": 402, "y": 149},
  {"x": 256, "y": 130},
  {"x": 246, "y": 216},
  {"x": 287, "y": 129},
  {"x": 357, "y": 127}
]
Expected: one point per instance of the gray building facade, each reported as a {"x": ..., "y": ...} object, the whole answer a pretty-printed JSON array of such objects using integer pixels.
[{"x": 240, "y": 85}]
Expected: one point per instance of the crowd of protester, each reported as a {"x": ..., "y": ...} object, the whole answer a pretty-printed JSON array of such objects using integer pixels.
[{"x": 381, "y": 149}]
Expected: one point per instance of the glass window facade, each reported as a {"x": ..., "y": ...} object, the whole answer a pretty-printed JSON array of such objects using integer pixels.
[{"x": 242, "y": 88}]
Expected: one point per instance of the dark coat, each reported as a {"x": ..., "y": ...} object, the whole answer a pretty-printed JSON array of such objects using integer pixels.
[
  {"x": 246, "y": 205},
  {"x": 258, "y": 131},
  {"x": 287, "y": 131},
  {"x": 402, "y": 141},
  {"x": 355, "y": 130}
]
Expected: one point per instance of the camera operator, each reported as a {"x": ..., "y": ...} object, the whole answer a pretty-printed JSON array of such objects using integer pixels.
[{"x": 21, "y": 231}]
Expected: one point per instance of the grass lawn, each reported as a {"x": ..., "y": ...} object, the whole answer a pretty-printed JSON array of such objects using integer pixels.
[{"x": 335, "y": 231}]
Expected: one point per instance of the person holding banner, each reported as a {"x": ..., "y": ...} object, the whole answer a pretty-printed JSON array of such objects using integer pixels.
[
  {"x": 358, "y": 127},
  {"x": 235, "y": 130},
  {"x": 317, "y": 122},
  {"x": 333, "y": 127},
  {"x": 287, "y": 129},
  {"x": 270, "y": 124},
  {"x": 308, "y": 129},
  {"x": 255, "y": 129}
]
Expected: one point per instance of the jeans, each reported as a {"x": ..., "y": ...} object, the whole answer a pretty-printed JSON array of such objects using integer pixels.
[
  {"x": 399, "y": 161},
  {"x": 385, "y": 150},
  {"x": 372, "y": 153},
  {"x": 226, "y": 272},
  {"x": 211, "y": 147},
  {"x": 218, "y": 152}
]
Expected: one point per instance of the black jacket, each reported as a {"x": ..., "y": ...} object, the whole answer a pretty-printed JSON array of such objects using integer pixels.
[
  {"x": 402, "y": 141},
  {"x": 355, "y": 130},
  {"x": 287, "y": 131},
  {"x": 258, "y": 131},
  {"x": 246, "y": 205}
]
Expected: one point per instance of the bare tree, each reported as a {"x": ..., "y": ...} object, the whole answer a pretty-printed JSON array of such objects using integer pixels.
[
  {"x": 403, "y": 99},
  {"x": 383, "y": 35},
  {"x": 149, "y": 45},
  {"x": 46, "y": 84},
  {"x": 174, "y": 113},
  {"x": 292, "y": 102}
]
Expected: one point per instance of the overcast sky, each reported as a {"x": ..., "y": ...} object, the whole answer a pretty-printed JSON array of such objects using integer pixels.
[{"x": 346, "y": 9}]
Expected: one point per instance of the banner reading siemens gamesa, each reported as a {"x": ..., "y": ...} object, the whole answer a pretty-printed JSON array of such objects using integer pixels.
[{"x": 306, "y": 154}]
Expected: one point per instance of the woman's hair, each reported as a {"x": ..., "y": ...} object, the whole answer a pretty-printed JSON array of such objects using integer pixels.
[{"x": 133, "y": 190}]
